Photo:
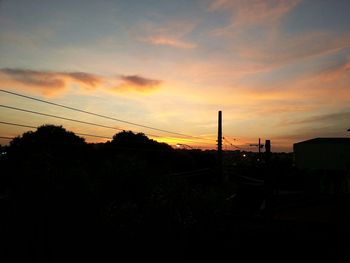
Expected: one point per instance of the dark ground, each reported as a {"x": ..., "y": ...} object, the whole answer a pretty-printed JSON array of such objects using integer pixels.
[
  {"x": 64, "y": 200},
  {"x": 296, "y": 228}
]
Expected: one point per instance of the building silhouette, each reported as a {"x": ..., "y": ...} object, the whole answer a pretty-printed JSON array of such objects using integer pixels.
[
  {"x": 331, "y": 154},
  {"x": 326, "y": 162}
]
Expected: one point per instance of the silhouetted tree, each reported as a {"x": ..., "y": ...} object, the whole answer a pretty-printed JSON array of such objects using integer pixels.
[
  {"x": 50, "y": 155},
  {"x": 47, "y": 137},
  {"x": 137, "y": 141},
  {"x": 50, "y": 189},
  {"x": 63, "y": 186}
]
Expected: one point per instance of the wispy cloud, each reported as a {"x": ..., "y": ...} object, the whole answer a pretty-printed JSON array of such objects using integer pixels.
[
  {"x": 255, "y": 34},
  {"x": 52, "y": 83},
  {"x": 282, "y": 49},
  {"x": 88, "y": 79},
  {"x": 137, "y": 83},
  {"x": 325, "y": 118},
  {"x": 274, "y": 52},
  {"x": 49, "y": 83},
  {"x": 302, "y": 134},
  {"x": 45, "y": 82},
  {"x": 140, "y": 81},
  {"x": 168, "y": 41},
  {"x": 327, "y": 86},
  {"x": 35, "y": 78},
  {"x": 172, "y": 34},
  {"x": 336, "y": 72},
  {"x": 252, "y": 12},
  {"x": 272, "y": 48}
]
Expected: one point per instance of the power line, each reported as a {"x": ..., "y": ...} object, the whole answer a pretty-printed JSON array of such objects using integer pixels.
[
  {"x": 6, "y": 138},
  {"x": 33, "y": 127},
  {"x": 59, "y": 117},
  {"x": 102, "y": 116},
  {"x": 116, "y": 147},
  {"x": 84, "y": 134},
  {"x": 84, "y": 122},
  {"x": 19, "y": 125},
  {"x": 232, "y": 144}
]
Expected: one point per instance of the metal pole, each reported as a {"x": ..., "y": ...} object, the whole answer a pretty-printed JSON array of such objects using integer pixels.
[
  {"x": 220, "y": 132},
  {"x": 220, "y": 170},
  {"x": 268, "y": 181},
  {"x": 267, "y": 151}
]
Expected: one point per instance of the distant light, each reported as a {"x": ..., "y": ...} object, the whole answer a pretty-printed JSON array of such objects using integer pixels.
[
  {"x": 244, "y": 155},
  {"x": 178, "y": 145}
]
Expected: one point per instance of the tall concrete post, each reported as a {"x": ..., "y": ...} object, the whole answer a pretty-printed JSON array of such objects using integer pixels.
[
  {"x": 220, "y": 170},
  {"x": 269, "y": 184}
]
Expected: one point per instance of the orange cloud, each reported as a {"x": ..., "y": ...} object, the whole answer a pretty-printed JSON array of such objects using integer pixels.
[
  {"x": 171, "y": 34},
  {"x": 34, "y": 78},
  {"x": 313, "y": 89},
  {"x": 90, "y": 80},
  {"x": 336, "y": 73},
  {"x": 50, "y": 83},
  {"x": 168, "y": 41},
  {"x": 307, "y": 93},
  {"x": 47, "y": 83},
  {"x": 140, "y": 81},
  {"x": 268, "y": 54},
  {"x": 137, "y": 83}
]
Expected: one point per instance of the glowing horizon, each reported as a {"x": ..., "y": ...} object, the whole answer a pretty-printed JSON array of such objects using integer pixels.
[{"x": 278, "y": 70}]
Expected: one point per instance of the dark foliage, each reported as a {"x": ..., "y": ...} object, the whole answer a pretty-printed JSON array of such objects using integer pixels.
[
  {"x": 63, "y": 198},
  {"x": 128, "y": 139}
]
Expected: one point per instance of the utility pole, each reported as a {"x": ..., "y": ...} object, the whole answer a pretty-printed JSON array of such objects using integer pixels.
[
  {"x": 269, "y": 181},
  {"x": 260, "y": 146},
  {"x": 267, "y": 151},
  {"x": 220, "y": 170},
  {"x": 220, "y": 133}
]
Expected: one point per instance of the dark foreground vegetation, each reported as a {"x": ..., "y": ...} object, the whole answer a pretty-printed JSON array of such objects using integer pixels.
[{"x": 62, "y": 199}]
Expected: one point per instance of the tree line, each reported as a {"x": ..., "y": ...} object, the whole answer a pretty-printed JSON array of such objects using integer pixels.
[{"x": 63, "y": 196}]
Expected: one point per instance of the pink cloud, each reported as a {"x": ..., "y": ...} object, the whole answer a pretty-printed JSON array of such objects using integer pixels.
[
  {"x": 168, "y": 41},
  {"x": 137, "y": 83},
  {"x": 172, "y": 34},
  {"x": 252, "y": 12},
  {"x": 90, "y": 80},
  {"x": 47, "y": 83},
  {"x": 334, "y": 74},
  {"x": 281, "y": 49},
  {"x": 51, "y": 83}
]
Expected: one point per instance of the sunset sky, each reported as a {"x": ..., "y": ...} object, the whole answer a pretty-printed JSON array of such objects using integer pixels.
[{"x": 278, "y": 69}]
